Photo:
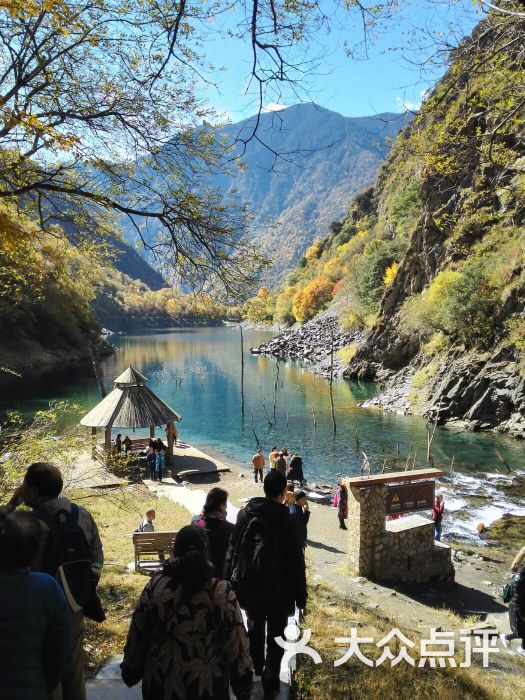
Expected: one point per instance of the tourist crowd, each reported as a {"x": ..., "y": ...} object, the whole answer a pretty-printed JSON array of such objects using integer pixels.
[{"x": 187, "y": 638}]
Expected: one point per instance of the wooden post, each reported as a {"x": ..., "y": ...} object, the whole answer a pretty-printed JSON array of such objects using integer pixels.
[
  {"x": 242, "y": 373},
  {"x": 93, "y": 442},
  {"x": 152, "y": 431},
  {"x": 107, "y": 440},
  {"x": 170, "y": 432}
]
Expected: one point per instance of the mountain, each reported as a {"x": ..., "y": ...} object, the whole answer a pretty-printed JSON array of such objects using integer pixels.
[
  {"x": 427, "y": 269},
  {"x": 300, "y": 172}
]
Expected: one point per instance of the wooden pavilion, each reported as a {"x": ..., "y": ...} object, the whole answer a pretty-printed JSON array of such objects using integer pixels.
[{"x": 132, "y": 405}]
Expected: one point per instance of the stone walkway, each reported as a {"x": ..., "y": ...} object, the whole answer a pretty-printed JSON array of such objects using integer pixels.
[{"x": 109, "y": 686}]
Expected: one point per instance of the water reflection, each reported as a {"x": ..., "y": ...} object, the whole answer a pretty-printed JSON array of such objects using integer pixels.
[{"x": 197, "y": 372}]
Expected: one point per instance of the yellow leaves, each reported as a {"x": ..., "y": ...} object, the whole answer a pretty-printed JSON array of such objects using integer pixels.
[
  {"x": 312, "y": 299},
  {"x": 390, "y": 273},
  {"x": 313, "y": 250}
]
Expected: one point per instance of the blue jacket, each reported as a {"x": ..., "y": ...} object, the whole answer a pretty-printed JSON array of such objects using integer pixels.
[{"x": 34, "y": 634}]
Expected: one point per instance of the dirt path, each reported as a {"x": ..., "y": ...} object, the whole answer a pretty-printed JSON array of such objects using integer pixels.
[{"x": 472, "y": 600}]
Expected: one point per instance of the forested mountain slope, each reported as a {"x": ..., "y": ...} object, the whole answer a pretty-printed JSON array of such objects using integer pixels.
[
  {"x": 298, "y": 174},
  {"x": 429, "y": 265}
]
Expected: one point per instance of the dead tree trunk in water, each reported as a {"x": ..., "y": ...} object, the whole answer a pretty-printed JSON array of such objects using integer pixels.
[
  {"x": 275, "y": 388},
  {"x": 242, "y": 373},
  {"x": 332, "y": 413},
  {"x": 96, "y": 368}
]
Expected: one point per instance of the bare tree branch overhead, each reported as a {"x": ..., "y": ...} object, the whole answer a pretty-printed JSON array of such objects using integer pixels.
[{"x": 100, "y": 113}]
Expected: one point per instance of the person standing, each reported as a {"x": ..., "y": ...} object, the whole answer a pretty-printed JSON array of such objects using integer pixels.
[
  {"x": 217, "y": 528},
  {"x": 517, "y": 602},
  {"x": 41, "y": 491},
  {"x": 280, "y": 464},
  {"x": 159, "y": 465},
  {"x": 341, "y": 502},
  {"x": 126, "y": 443},
  {"x": 187, "y": 637},
  {"x": 273, "y": 457},
  {"x": 258, "y": 465},
  {"x": 300, "y": 512},
  {"x": 34, "y": 616},
  {"x": 437, "y": 516},
  {"x": 265, "y": 563},
  {"x": 295, "y": 472},
  {"x": 150, "y": 462},
  {"x": 118, "y": 444}
]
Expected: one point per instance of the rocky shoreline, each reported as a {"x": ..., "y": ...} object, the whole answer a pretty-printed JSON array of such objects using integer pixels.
[
  {"x": 311, "y": 341},
  {"x": 31, "y": 357},
  {"x": 470, "y": 391}
]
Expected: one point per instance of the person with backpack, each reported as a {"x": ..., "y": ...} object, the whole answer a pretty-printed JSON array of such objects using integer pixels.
[
  {"x": 147, "y": 524},
  {"x": 187, "y": 637},
  {"x": 34, "y": 617},
  {"x": 265, "y": 564},
  {"x": 71, "y": 552}
]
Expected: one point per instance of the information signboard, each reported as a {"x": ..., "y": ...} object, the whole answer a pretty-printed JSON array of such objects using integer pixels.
[{"x": 408, "y": 498}]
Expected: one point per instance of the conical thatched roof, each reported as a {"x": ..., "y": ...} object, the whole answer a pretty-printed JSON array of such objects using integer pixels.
[
  {"x": 130, "y": 376},
  {"x": 131, "y": 404}
]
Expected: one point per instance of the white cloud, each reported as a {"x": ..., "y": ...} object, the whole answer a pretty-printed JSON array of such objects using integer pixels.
[
  {"x": 412, "y": 105},
  {"x": 273, "y": 107}
]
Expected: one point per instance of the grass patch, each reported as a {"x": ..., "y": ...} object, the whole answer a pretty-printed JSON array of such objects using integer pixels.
[
  {"x": 509, "y": 533},
  {"x": 329, "y": 616},
  {"x": 347, "y": 352},
  {"x": 118, "y": 514}
]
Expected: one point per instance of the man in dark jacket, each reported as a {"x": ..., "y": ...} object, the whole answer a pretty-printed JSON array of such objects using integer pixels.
[
  {"x": 265, "y": 563},
  {"x": 41, "y": 492}
]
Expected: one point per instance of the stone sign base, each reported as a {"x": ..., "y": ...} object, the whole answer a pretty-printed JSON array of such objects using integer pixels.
[
  {"x": 407, "y": 551},
  {"x": 393, "y": 550}
]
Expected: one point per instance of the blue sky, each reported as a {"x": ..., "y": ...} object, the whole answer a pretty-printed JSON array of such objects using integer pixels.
[{"x": 389, "y": 80}]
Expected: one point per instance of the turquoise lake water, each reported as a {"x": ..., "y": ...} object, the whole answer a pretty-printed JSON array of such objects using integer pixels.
[{"x": 198, "y": 373}]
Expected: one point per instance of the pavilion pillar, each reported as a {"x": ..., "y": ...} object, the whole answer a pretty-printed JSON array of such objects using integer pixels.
[
  {"x": 107, "y": 439},
  {"x": 170, "y": 434},
  {"x": 93, "y": 442},
  {"x": 152, "y": 431}
]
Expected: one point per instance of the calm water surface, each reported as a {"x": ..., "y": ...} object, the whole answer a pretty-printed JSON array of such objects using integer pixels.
[{"x": 198, "y": 373}]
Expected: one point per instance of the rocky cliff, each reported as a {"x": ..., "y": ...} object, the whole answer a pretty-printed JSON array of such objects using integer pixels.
[{"x": 432, "y": 264}]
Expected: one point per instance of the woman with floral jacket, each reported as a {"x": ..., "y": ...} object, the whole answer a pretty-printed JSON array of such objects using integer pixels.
[{"x": 187, "y": 639}]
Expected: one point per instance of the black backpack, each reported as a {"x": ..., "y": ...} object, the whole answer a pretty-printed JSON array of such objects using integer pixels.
[
  {"x": 67, "y": 557},
  {"x": 254, "y": 569}
]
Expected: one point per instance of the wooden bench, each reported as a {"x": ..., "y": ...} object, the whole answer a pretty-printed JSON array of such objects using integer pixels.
[{"x": 152, "y": 549}]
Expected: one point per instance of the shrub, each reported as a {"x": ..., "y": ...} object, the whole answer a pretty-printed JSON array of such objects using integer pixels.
[
  {"x": 378, "y": 257},
  {"x": 422, "y": 375},
  {"x": 390, "y": 273},
  {"x": 470, "y": 307},
  {"x": 347, "y": 352},
  {"x": 436, "y": 344},
  {"x": 312, "y": 299},
  {"x": 405, "y": 207}
]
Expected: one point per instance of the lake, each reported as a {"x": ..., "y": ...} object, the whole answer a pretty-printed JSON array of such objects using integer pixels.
[{"x": 198, "y": 373}]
